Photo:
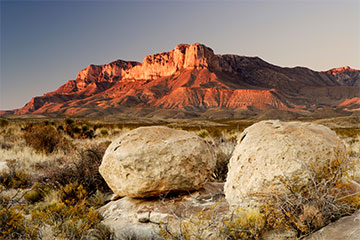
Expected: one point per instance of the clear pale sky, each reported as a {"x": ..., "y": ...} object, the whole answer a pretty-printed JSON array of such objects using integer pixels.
[{"x": 46, "y": 43}]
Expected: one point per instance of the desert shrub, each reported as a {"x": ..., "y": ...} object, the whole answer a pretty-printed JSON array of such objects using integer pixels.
[
  {"x": 224, "y": 148},
  {"x": 44, "y": 139},
  {"x": 84, "y": 128},
  {"x": 98, "y": 125},
  {"x": 60, "y": 128},
  {"x": 13, "y": 224},
  {"x": 203, "y": 133},
  {"x": 72, "y": 130},
  {"x": 305, "y": 209},
  {"x": 49, "y": 122},
  {"x": 5, "y": 145},
  {"x": 104, "y": 132},
  {"x": 69, "y": 121},
  {"x": 37, "y": 193},
  {"x": 87, "y": 134},
  {"x": 221, "y": 167},
  {"x": 15, "y": 178},
  {"x": 243, "y": 224},
  {"x": 76, "y": 131},
  {"x": 3, "y": 122},
  {"x": 67, "y": 221},
  {"x": 72, "y": 193},
  {"x": 202, "y": 225},
  {"x": 347, "y": 132},
  {"x": 83, "y": 170},
  {"x": 100, "y": 231}
]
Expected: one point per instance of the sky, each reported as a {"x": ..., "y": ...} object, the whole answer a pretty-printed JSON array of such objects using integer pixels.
[{"x": 43, "y": 44}]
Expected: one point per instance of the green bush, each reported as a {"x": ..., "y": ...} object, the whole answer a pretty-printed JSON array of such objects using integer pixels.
[
  {"x": 84, "y": 128},
  {"x": 104, "y": 132},
  {"x": 69, "y": 121},
  {"x": 37, "y": 193},
  {"x": 203, "y": 133},
  {"x": 98, "y": 125}
]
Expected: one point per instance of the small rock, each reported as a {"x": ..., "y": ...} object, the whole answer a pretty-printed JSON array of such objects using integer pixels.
[
  {"x": 144, "y": 217},
  {"x": 4, "y": 169}
]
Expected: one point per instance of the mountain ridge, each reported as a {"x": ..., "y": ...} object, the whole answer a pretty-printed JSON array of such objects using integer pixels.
[{"x": 194, "y": 78}]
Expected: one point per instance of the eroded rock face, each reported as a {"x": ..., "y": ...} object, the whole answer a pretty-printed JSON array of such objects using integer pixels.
[
  {"x": 150, "y": 161},
  {"x": 271, "y": 149}
]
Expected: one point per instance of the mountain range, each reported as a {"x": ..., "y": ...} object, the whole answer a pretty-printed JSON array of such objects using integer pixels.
[{"x": 191, "y": 81}]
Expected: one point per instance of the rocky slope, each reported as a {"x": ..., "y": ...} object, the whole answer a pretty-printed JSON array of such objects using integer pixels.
[{"x": 191, "y": 78}]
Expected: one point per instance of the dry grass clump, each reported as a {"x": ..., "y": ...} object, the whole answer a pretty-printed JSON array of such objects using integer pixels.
[
  {"x": 68, "y": 214},
  {"x": 224, "y": 147},
  {"x": 214, "y": 223},
  {"x": 82, "y": 169},
  {"x": 14, "y": 224},
  {"x": 45, "y": 139},
  {"x": 243, "y": 224},
  {"x": 305, "y": 209},
  {"x": 3, "y": 122},
  {"x": 14, "y": 178},
  {"x": 347, "y": 132}
]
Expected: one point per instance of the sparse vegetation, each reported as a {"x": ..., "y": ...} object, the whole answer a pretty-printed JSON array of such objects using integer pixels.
[
  {"x": 53, "y": 169},
  {"x": 44, "y": 138},
  {"x": 305, "y": 209}
]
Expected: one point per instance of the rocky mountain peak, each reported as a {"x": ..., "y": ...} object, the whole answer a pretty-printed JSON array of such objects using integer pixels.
[
  {"x": 345, "y": 75},
  {"x": 193, "y": 78},
  {"x": 339, "y": 70}
]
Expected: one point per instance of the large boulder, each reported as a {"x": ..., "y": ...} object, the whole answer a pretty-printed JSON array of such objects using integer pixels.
[
  {"x": 270, "y": 150},
  {"x": 151, "y": 161}
]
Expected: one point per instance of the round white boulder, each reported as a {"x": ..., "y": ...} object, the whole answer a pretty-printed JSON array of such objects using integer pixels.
[
  {"x": 151, "y": 161},
  {"x": 270, "y": 150}
]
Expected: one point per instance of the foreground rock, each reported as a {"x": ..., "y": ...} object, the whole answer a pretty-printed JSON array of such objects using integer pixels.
[
  {"x": 145, "y": 218},
  {"x": 346, "y": 228},
  {"x": 269, "y": 150},
  {"x": 150, "y": 161}
]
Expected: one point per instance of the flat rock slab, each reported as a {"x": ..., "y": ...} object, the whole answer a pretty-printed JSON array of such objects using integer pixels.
[
  {"x": 346, "y": 228},
  {"x": 141, "y": 218}
]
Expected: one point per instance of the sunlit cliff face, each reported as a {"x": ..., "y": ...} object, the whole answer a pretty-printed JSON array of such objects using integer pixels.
[
  {"x": 192, "y": 77},
  {"x": 336, "y": 71}
]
